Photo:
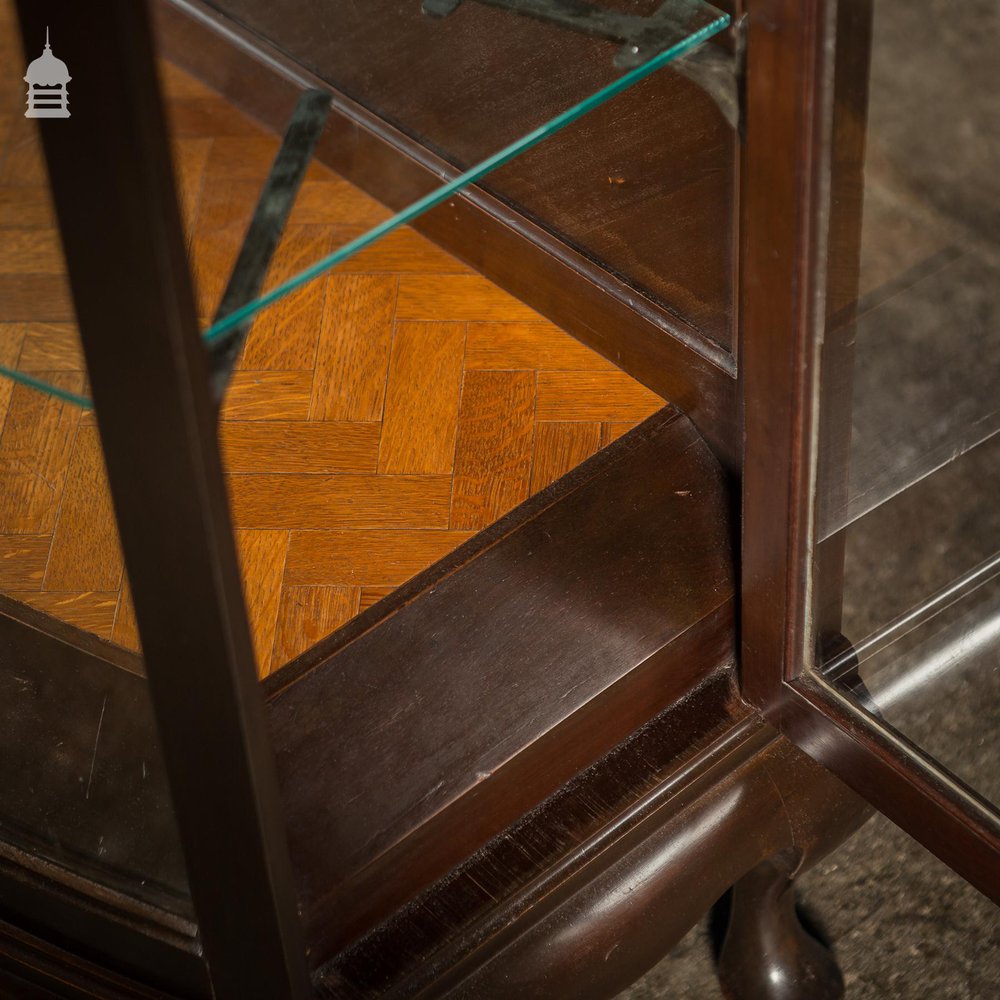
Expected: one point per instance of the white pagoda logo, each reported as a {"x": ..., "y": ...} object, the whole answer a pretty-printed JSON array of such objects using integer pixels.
[{"x": 47, "y": 78}]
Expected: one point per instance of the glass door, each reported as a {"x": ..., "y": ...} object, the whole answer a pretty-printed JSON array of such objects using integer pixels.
[
  {"x": 914, "y": 364},
  {"x": 890, "y": 641}
]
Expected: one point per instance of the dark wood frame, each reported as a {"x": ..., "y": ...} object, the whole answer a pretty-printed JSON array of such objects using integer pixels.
[
  {"x": 151, "y": 386},
  {"x": 163, "y": 379},
  {"x": 792, "y": 104}
]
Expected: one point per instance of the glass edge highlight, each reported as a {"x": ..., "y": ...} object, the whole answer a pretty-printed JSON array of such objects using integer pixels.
[{"x": 240, "y": 316}]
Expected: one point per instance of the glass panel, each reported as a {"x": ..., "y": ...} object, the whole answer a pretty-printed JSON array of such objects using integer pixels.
[
  {"x": 359, "y": 431},
  {"x": 944, "y": 651},
  {"x": 907, "y": 520},
  {"x": 465, "y": 86},
  {"x": 82, "y": 783},
  {"x": 685, "y": 25},
  {"x": 481, "y": 128}
]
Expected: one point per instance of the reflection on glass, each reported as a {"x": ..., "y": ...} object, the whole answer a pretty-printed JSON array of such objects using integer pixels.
[
  {"x": 910, "y": 455},
  {"x": 82, "y": 786},
  {"x": 540, "y": 103},
  {"x": 934, "y": 670},
  {"x": 698, "y": 23}
]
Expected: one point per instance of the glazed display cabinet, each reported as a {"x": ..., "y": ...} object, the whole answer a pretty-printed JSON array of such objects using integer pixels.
[{"x": 483, "y": 478}]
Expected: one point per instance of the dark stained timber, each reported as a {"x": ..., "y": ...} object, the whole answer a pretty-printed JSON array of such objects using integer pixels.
[
  {"x": 498, "y": 675},
  {"x": 111, "y": 173},
  {"x": 552, "y": 227},
  {"x": 641, "y": 37}
]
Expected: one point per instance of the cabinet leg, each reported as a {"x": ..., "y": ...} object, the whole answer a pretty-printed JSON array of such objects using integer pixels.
[{"x": 767, "y": 954}]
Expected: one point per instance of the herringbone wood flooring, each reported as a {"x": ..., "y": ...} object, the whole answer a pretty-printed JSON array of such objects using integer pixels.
[{"x": 377, "y": 419}]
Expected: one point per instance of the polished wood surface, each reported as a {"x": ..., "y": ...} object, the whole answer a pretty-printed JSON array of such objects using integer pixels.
[
  {"x": 360, "y": 431},
  {"x": 796, "y": 107},
  {"x": 609, "y": 186},
  {"x": 767, "y": 952},
  {"x": 785, "y": 256},
  {"x": 582, "y": 895},
  {"x": 501, "y": 672}
]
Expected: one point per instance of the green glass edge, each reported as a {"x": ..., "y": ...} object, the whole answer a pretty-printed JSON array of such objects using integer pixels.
[
  {"x": 240, "y": 316},
  {"x": 51, "y": 390}
]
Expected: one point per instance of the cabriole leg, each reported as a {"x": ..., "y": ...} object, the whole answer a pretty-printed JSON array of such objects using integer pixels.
[{"x": 767, "y": 953}]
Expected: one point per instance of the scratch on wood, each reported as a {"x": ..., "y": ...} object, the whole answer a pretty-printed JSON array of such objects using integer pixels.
[{"x": 97, "y": 739}]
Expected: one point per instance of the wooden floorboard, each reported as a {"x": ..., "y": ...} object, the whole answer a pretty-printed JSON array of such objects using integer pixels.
[
  {"x": 493, "y": 456},
  {"x": 376, "y": 420}
]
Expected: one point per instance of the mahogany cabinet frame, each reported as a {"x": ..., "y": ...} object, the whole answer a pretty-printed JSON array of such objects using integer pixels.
[
  {"x": 151, "y": 387},
  {"x": 152, "y": 392},
  {"x": 797, "y": 54}
]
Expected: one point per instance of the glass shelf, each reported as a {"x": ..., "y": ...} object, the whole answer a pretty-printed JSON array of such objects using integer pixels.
[{"x": 565, "y": 75}]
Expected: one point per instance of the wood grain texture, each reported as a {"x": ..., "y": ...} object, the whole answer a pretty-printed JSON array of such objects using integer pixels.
[
  {"x": 268, "y": 396},
  {"x": 459, "y": 297},
  {"x": 35, "y": 297},
  {"x": 195, "y": 118},
  {"x": 51, "y": 347},
  {"x": 403, "y": 251},
  {"x": 26, "y": 207},
  {"x": 493, "y": 458},
  {"x": 308, "y": 614},
  {"x": 523, "y": 625},
  {"x": 22, "y": 163},
  {"x": 372, "y": 595},
  {"x": 190, "y": 162},
  {"x": 11, "y": 342},
  {"x": 529, "y": 346},
  {"x": 298, "y": 447},
  {"x": 353, "y": 356},
  {"x": 643, "y": 271},
  {"x": 31, "y": 251},
  {"x": 225, "y": 208},
  {"x": 422, "y": 397},
  {"x": 284, "y": 337},
  {"x": 593, "y": 396},
  {"x": 85, "y": 546},
  {"x": 247, "y": 154},
  {"x": 262, "y": 563},
  {"x": 614, "y": 429},
  {"x": 90, "y": 611},
  {"x": 306, "y": 502},
  {"x": 22, "y": 561},
  {"x": 340, "y": 424},
  {"x": 560, "y": 447},
  {"x": 332, "y": 201},
  {"x": 363, "y": 558},
  {"x": 35, "y": 448},
  {"x": 213, "y": 254}
]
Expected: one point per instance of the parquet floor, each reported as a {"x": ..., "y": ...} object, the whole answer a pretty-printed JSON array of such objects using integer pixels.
[{"x": 378, "y": 418}]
